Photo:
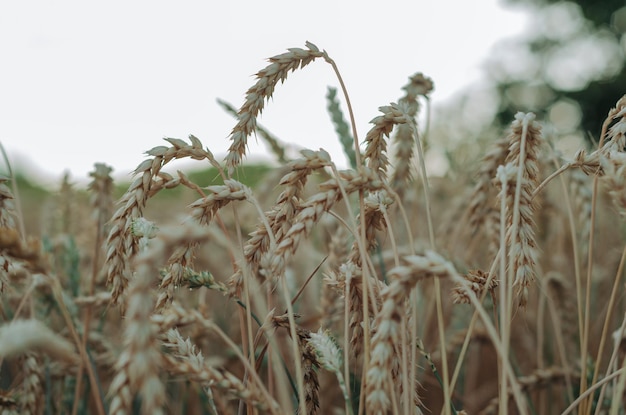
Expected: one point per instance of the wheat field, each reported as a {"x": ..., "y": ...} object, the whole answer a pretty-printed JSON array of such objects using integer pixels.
[{"x": 496, "y": 288}]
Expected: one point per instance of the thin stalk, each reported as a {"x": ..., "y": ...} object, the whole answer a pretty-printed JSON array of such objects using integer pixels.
[
  {"x": 583, "y": 396},
  {"x": 438, "y": 301},
  {"x": 58, "y": 294},
  {"x": 611, "y": 362},
  {"x": 594, "y": 199},
  {"x": 609, "y": 315},
  {"x": 503, "y": 290}
]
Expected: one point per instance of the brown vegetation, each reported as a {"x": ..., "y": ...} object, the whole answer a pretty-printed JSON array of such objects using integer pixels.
[{"x": 327, "y": 291}]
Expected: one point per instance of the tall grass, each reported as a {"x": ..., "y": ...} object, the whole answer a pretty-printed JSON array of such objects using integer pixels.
[{"x": 378, "y": 289}]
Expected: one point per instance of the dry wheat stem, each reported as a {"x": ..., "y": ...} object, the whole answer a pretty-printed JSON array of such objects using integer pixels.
[
  {"x": 591, "y": 389},
  {"x": 438, "y": 300},
  {"x": 558, "y": 330},
  {"x": 618, "y": 392},
  {"x": 493, "y": 336},
  {"x": 57, "y": 291},
  {"x": 101, "y": 188},
  {"x": 579, "y": 162},
  {"x": 618, "y": 336},
  {"x": 609, "y": 314},
  {"x": 613, "y": 113},
  {"x": 370, "y": 295}
]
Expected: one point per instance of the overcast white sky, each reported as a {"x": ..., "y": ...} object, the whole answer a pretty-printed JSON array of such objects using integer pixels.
[{"x": 84, "y": 82}]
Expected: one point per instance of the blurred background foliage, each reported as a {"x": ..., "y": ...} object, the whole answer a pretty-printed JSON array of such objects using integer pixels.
[{"x": 568, "y": 68}]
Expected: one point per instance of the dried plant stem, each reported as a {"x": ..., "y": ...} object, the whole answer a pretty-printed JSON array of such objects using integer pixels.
[
  {"x": 102, "y": 186},
  {"x": 505, "y": 289},
  {"x": 496, "y": 341},
  {"x": 548, "y": 179},
  {"x": 497, "y": 260},
  {"x": 575, "y": 254},
  {"x": 612, "y": 360},
  {"x": 438, "y": 301},
  {"x": 591, "y": 390},
  {"x": 586, "y": 326},
  {"x": 346, "y": 96},
  {"x": 362, "y": 236},
  {"x": 295, "y": 347},
  {"x": 609, "y": 316},
  {"x": 93, "y": 383},
  {"x": 558, "y": 330},
  {"x": 618, "y": 393},
  {"x": 586, "y": 405}
]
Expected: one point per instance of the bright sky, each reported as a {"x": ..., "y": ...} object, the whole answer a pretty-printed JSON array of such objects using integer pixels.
[{"x": 84, "y": 82}]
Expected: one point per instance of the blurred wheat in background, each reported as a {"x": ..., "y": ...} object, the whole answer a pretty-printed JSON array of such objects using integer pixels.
[{"x": 382, "y": 288}]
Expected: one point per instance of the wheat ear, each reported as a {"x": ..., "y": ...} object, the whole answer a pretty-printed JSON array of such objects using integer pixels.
[
  {"x": 388, "y": 324},
  {"x": 121, "y": 246},
  {"x": 317, "y": 205},
  {"x": 404, "y": 139},
  {"x": 281, "y": 216},
  {"x": 525, "y": 141},
  {"x": 262, "y": 90},
  {"x": 376, "y": 144},
  {"x": 310, "y": 364},
  {"x": 32, "y": 398}
]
